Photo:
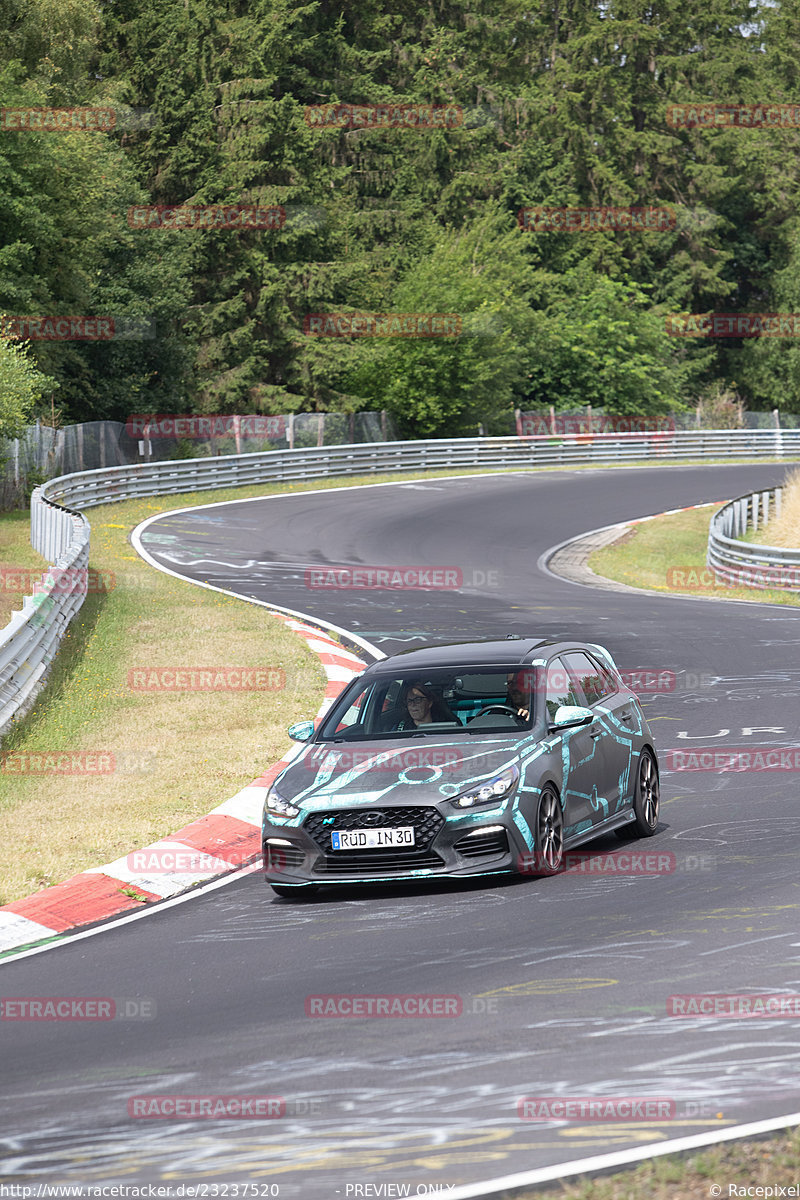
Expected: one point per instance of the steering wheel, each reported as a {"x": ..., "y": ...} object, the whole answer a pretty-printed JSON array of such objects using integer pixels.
[{"x": 503, "y": 708}]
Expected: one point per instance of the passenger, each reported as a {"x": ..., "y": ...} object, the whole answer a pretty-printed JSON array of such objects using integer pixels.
[
  {"x": 518, "y": 687},
  {"x": 422, "y": 707}
]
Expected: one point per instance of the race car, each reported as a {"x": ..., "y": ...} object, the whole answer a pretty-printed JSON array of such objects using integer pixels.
[{"x": 465, "y": 759}]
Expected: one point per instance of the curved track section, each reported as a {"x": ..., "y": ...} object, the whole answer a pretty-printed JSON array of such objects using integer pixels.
[{"x": 564, "y": 982}]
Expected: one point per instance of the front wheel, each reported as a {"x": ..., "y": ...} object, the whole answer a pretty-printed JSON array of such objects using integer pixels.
[
  {"x": 549, "y": 834},
  {"x": 646, "y": 799}
]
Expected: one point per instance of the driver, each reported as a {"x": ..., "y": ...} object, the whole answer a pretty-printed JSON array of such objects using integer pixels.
[
  {"x": 422, "y": 707},
  {"x": 518, "y": 693}
]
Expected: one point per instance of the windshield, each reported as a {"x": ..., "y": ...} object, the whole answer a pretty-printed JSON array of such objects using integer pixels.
[{"x": 432, "y": 703}]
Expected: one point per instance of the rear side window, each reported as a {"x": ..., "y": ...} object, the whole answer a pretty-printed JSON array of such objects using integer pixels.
[{"x": 593, "y": 680}]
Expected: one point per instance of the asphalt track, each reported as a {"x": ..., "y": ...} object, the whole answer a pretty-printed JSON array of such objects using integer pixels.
[{"x": 564, "y": 981}]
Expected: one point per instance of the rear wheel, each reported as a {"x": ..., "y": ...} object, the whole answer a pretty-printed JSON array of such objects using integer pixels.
[
  {"x": 549, "y": 834},
  {"x": 294, "y": 891},
  {"x": 646, "y": 800}
]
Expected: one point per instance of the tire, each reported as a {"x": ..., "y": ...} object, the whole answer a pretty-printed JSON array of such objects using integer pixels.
[
  {"x": 646, "y": 800},
  {"x": 294, "y": 891},
  {"x": 549, "y": 834}
]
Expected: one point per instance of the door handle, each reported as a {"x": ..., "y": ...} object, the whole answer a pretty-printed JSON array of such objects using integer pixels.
[{"x": 594, "y": 734}]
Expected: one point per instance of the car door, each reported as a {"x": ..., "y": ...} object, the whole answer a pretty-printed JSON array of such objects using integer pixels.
[
  {"x": 615, "y": 723},
  {"x": 580, "y": 754}
]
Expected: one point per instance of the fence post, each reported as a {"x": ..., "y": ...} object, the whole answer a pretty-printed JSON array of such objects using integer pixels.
[{"x": 778, "y": 437}]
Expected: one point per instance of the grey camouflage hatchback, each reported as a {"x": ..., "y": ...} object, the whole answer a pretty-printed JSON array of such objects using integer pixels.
[{"x": 460, "y": 760}]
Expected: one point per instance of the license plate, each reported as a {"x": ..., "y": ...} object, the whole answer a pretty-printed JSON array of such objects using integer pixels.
[{"x": 369, "y": 839}]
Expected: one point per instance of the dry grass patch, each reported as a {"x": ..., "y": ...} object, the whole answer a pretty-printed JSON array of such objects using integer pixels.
[{"x": 785, "y": 529}]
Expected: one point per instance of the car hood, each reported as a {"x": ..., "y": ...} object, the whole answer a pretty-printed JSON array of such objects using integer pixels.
[{"x": 420, "y": 771}]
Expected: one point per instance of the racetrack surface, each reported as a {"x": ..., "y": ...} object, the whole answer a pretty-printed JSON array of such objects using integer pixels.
[{"x": 563, "y": 982}]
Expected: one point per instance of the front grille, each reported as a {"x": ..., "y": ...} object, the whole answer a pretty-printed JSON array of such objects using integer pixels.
[
  {"x": 478, "y": 845},
  {"x": 355, "y": 862},
  {"x": 426, "y": 823}
]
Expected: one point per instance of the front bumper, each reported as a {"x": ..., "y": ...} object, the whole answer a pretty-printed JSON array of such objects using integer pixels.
[{"x": 460, "y": 845}]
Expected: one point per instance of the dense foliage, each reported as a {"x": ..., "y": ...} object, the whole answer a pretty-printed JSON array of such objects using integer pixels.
[{"x": 564, "y": 104}]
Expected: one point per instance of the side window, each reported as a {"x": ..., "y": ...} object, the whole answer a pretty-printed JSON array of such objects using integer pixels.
[
  {"x": 560, "y": 688},
  {"x": 355, "y": 713},
  {"x": 595, "y": 683}
]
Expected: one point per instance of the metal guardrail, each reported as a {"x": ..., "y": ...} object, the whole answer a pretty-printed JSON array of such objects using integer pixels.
[
  {"x": 29, "y": 642},
  {"x": 749, "y": 564},
  {"x": 87, "y": 488}
]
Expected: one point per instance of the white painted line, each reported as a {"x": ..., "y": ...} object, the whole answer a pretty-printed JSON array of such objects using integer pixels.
[
  {"x": 621, "y": 1158},
  {"x": 136, "y": 542}
]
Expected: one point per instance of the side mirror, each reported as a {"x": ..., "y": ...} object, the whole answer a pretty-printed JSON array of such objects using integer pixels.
[
  {"x": 570, "y": 716},
  {"x": 301, "y": 731}
]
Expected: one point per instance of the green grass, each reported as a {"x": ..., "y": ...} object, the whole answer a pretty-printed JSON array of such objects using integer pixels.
[
  {"x": 16, "y": 552},
  {"x": 771, "y": 1162},
  {"x": 651, "y": 554}
]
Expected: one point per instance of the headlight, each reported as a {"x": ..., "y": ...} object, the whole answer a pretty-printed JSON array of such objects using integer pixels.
[
  {"x": 489, "y": 792},
  {"x": 278, "y": 807}
]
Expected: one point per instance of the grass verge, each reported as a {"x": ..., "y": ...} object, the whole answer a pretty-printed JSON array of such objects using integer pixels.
[
  {"x": 20, "y": 565},
  {"x": 771, "y": 1162},
  {"x": 668, "y": 554}
]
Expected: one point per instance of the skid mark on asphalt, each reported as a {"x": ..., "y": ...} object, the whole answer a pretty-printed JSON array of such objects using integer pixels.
[{"x": 183, "y": 1154}]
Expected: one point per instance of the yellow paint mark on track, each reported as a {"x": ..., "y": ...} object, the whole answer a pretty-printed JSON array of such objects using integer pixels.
[{"x": 549, "y": 987}]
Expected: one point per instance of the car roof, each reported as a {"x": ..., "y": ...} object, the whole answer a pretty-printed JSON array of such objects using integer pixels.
[{"x": 512, "y": 651}]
